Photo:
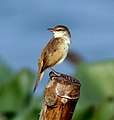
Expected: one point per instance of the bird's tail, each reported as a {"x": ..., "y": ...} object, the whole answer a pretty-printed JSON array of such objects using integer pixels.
[{"x": 39, "y": 77}]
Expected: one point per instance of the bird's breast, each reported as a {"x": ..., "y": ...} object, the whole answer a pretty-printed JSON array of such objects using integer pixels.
[{"x": 64, "y": 50}]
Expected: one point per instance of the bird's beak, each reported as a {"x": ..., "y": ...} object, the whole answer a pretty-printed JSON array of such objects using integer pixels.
[{"x": 50, "y": 29}]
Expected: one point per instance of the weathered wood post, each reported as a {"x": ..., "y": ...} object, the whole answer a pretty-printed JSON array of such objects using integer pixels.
[{"x": 60, "y": 97}]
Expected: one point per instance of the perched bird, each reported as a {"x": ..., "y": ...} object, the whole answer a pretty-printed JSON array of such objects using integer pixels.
[{"x": 55, "y": 51}]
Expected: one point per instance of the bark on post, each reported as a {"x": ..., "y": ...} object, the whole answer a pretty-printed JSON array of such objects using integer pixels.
[{"x": 60, "y": 97}]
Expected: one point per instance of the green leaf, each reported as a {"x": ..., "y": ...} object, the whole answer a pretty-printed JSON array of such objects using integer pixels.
[
  {"x": 5, "y": 72},
  {"x": 85, "y": 113},
  {"x": 97, "y": 80},
  {"x": 104, "y": 111},
  {"x": 16, "y": 93}
]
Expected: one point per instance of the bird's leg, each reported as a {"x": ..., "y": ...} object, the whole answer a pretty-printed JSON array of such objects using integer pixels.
[{"x": 56, "y": 73}]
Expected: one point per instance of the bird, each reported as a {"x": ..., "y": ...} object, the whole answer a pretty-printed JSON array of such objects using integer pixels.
[{"x": 55, "y": 51}]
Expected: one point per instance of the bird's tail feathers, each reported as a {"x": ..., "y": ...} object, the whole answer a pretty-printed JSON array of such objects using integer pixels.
[{"x": 39, "y": 77}]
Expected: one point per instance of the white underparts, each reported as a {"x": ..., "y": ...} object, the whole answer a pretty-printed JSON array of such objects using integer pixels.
[{"x": 65, "y": 48}]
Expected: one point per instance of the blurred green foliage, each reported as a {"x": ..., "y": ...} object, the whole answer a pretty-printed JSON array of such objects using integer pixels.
[
  {"x": 97, "y": 91},
  {"x": 96, "y": 98},
  {"x": 16, "y": 99}
]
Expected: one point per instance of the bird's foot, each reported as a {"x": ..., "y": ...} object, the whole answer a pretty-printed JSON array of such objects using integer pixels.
[{"x": 56, "y": 73}]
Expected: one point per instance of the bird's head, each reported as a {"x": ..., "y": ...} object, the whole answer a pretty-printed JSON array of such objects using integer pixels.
[{"x": 60, "y": 31}]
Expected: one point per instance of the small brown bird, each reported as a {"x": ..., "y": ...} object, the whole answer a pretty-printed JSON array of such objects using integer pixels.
[{"x": 55, "y": 51}]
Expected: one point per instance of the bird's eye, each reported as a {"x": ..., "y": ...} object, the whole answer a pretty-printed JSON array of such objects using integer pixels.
[{"x": 59, "y": 30}]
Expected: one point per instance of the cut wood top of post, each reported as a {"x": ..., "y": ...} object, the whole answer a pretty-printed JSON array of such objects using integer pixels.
[{"x": 63, "y": 86}]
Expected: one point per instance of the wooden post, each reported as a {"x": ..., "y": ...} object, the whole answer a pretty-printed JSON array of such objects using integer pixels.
[{"x": 60, "y": 97}]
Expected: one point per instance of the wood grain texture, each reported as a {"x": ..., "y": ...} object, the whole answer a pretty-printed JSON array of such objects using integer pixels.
[{"x": 60, "y": 97}]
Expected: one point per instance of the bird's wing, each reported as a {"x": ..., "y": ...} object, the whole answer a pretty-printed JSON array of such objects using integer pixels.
[{"x": 51, "y": 54}]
